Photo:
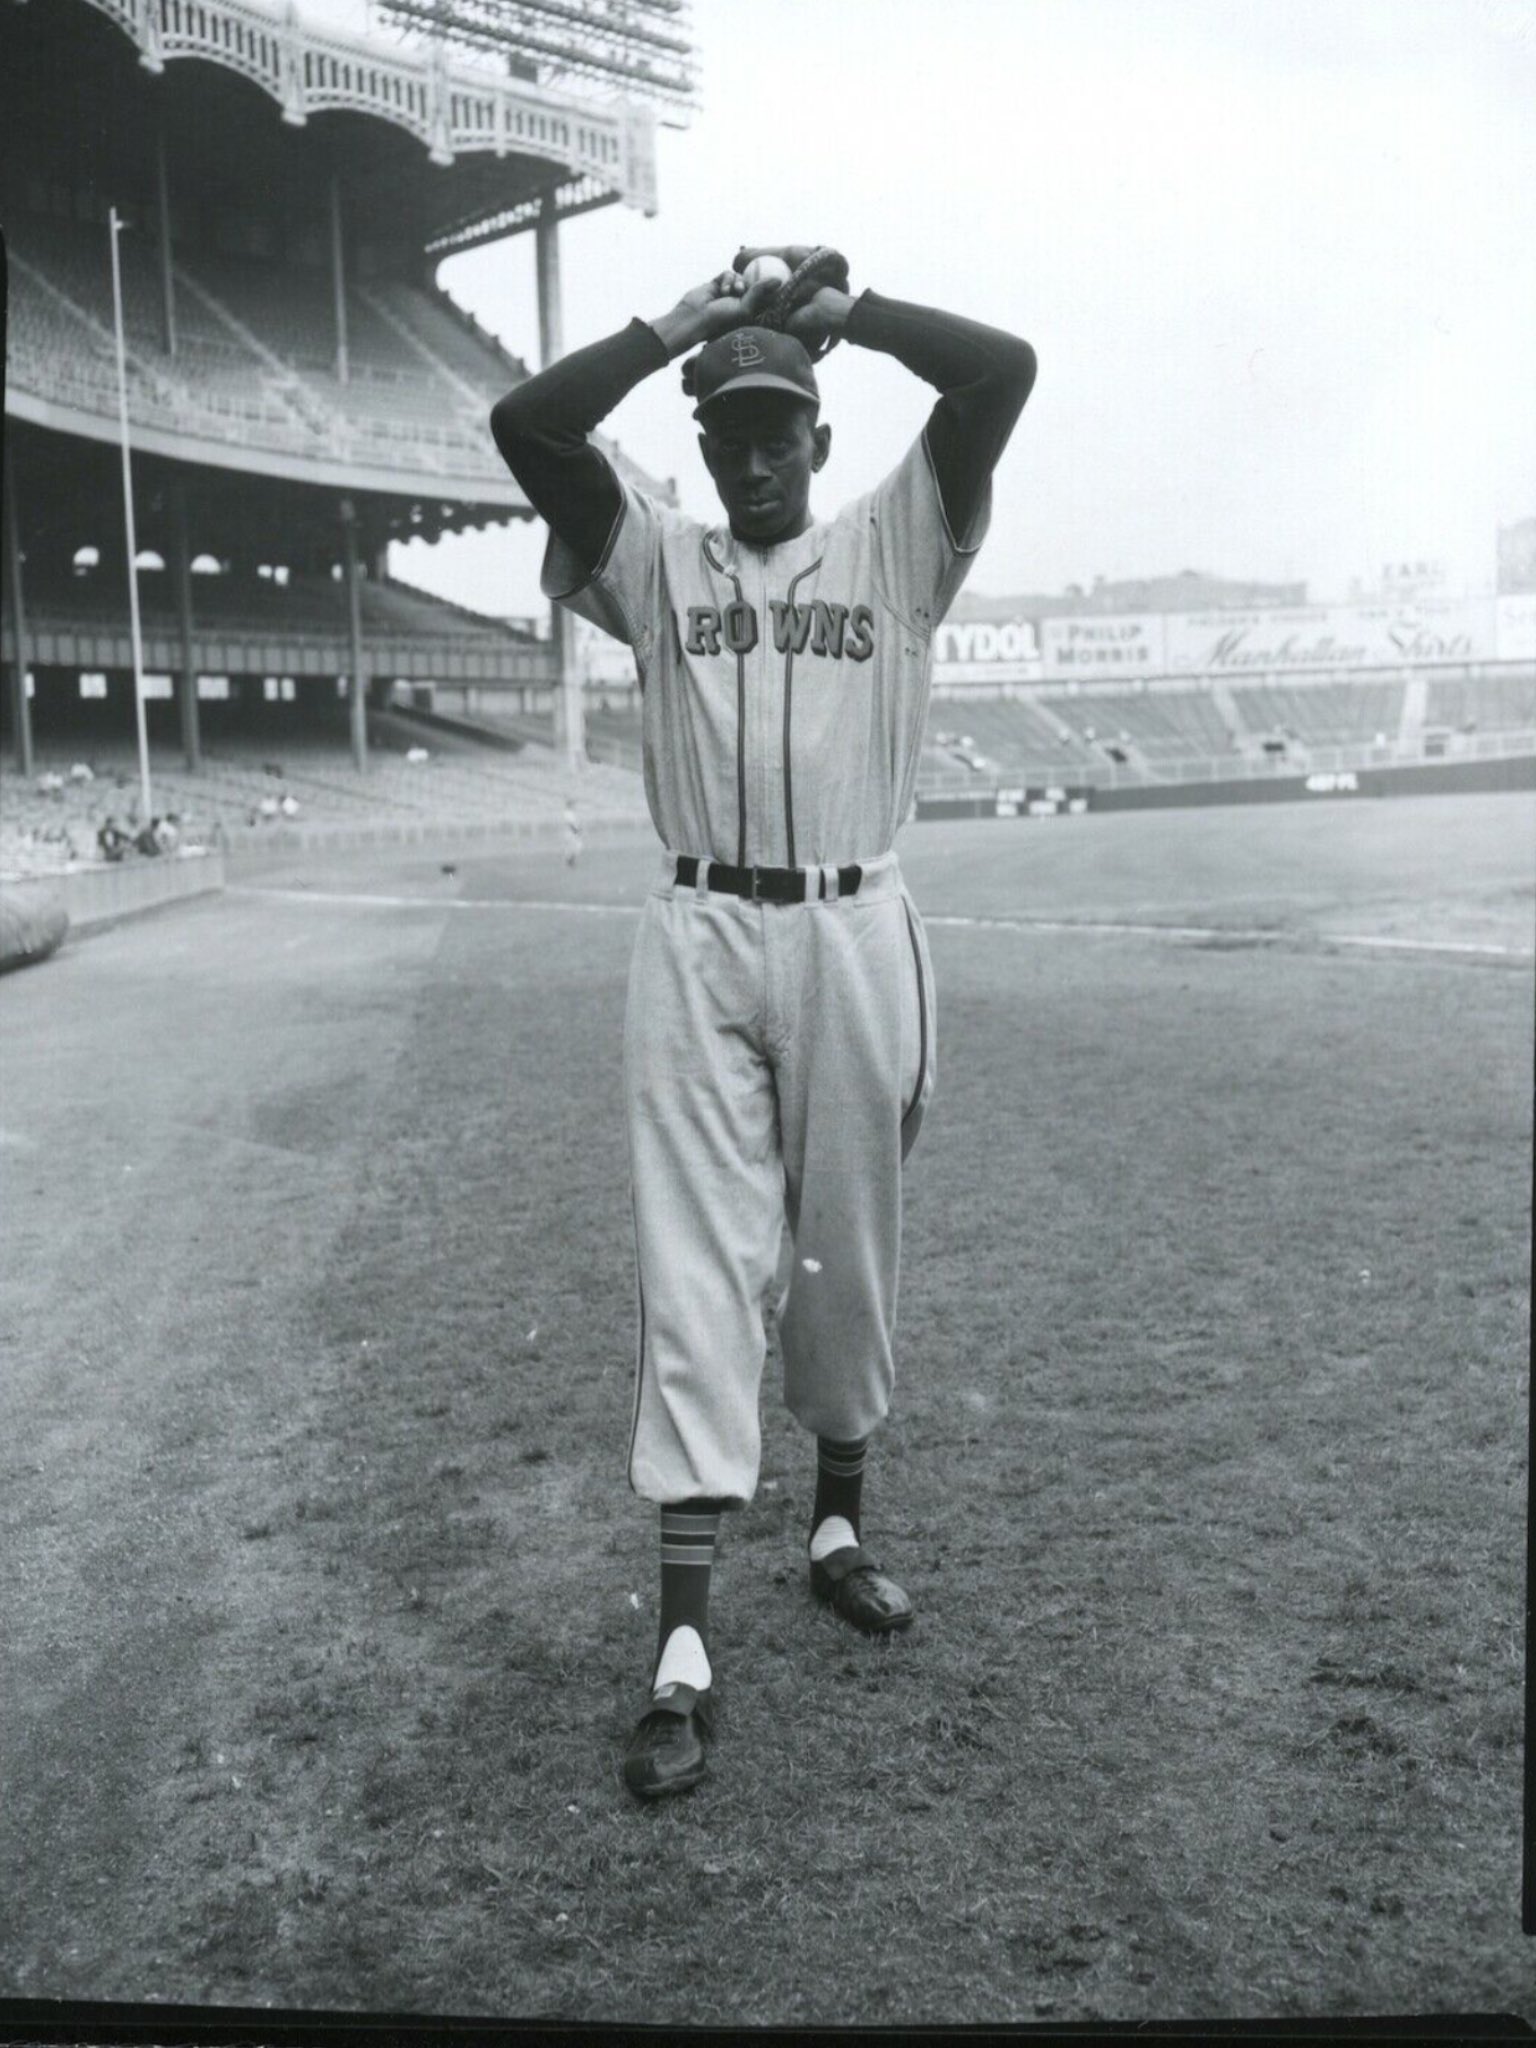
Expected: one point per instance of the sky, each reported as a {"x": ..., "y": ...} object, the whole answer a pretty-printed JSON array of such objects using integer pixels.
[{"x": 1275, "y": 262}]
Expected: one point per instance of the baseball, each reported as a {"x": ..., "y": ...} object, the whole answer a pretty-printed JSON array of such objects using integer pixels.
[{"x": 762, "y": 267}]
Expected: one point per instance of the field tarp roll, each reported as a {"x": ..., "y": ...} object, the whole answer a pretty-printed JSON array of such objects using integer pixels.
[{"x": 33, "y": 922}]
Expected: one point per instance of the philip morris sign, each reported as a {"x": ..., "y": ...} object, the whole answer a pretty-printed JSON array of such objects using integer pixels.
[
  {"x": 986, "y": 651},
  {"x": 1358, "y": 636},
  {"x": 1110, "y": 649}
]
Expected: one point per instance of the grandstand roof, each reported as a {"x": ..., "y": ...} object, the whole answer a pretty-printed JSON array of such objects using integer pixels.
[
  {"x": 249, "y": 122},
  {"x": 443, "y": 153}
]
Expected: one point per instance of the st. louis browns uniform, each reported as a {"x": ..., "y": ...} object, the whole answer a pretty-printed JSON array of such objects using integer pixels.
[{"x": 780, "y": 1033}]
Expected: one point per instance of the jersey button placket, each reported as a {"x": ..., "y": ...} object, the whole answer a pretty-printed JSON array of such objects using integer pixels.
[{"x": 761, "y": 720}]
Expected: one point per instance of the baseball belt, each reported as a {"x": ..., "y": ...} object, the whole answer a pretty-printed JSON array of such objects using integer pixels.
[{"x": 767, "y": 885}]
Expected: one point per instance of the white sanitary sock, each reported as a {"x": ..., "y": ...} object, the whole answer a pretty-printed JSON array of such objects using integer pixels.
[
  {"x": 684, "y": 1661},
  {"x": 835, "y": 1533}
]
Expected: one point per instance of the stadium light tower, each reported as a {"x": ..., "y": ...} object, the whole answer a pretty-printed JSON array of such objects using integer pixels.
[
  {"x": 115, "y": 227},
  {"x": 640, "y": 48}
]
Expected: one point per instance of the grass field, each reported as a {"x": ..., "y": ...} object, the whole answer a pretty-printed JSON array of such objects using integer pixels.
[{"x": 328, "y": 1608}]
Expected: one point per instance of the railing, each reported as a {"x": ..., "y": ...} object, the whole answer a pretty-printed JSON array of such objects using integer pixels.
[{"x": 454, "y": 110}]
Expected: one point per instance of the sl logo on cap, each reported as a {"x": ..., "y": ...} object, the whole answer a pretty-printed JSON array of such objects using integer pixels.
[{"x": 745, "y": 351}]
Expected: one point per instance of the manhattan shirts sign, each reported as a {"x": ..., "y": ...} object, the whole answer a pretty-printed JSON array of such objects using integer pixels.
[{"x": 1360, "y": 636}]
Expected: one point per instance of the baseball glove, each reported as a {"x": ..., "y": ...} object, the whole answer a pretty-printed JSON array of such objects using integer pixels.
[{"x": 815, "y": 268}]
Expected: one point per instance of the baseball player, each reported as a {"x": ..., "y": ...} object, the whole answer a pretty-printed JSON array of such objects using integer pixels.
[{"x": 779, "y": 1044}]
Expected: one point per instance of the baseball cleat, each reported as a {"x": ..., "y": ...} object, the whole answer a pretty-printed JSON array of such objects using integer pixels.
[
  {"x": 666, "y": 1751},
  {"x": 853, "y": 1585}
]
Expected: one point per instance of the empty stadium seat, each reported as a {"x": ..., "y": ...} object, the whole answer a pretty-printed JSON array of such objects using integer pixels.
[
  {"x": 1489, "y": 703},
  {"x": 459, "y": 784},
  {"x": 256, "y": 352}
]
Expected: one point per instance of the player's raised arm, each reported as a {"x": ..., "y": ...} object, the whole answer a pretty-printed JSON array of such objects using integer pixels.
[
  {"x": 542, "y": 427},
  {"x": 983, "y": 374}
]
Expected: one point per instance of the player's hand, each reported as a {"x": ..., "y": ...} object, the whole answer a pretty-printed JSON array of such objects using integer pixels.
[
  {"x": 711, "y": 309},
  {"x": 820, "y": 318}
]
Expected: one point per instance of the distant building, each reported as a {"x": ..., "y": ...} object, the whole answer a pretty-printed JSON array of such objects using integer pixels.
[
  {"x": 1418, "y": 576},
  {"x": 1191, "y": 590}
]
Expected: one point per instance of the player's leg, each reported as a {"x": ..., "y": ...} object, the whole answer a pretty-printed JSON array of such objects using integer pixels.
[
  {"x": 702, "y": 1122},
  {"x": 665, "y": 1753},
  {"x": 702, "y": 1125},
  {"x": 856, "y": 1074}
]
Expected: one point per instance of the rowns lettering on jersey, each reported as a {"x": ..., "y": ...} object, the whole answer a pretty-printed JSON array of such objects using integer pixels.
[{"x": 833, "y": 631}]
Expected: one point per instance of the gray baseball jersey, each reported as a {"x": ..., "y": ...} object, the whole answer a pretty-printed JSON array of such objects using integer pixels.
[{"x": 785, "y": 688}]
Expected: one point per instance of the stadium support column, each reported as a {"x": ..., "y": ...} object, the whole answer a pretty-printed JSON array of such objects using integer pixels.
[
  {"x": 338, "y": 281},
  {"x": 359, "y": 680},
  {"x": 186, "y": 678},
  {"x": 570, "y": 736},
  {"x": 163, "y": 225},
  {"x": 21, "y": 710},
  {"x": 546, "y": 253}
]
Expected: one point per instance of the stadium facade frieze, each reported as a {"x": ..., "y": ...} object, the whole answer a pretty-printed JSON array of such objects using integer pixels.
[
  {"x": 1112, "y": 651},
  {"x": 453, "y": 110}
]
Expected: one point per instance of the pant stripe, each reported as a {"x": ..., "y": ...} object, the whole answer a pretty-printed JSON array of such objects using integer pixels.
[
  {"x": 922, "y": 1022},
  {"x": 634, "y": 1422}
]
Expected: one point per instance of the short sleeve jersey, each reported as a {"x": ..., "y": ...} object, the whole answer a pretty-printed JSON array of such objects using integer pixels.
[{"x": 785, "y": 689}]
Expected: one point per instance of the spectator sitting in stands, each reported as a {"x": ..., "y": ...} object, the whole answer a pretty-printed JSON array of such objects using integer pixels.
[
  {"x": 289, "y": 806},
  {"x": 113, "y": 840}
]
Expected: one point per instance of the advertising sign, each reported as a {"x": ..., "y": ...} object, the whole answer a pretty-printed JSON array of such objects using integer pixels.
[
  {"x": 1124, "y": 648},
  {"x": 1358, "y": 636},
  {"x": 986, "y": 651},
  {"x": 1112, "y": 649}
]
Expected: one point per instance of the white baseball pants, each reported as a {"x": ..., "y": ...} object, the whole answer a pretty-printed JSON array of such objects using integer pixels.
[{"x": 778, "y": 1061}]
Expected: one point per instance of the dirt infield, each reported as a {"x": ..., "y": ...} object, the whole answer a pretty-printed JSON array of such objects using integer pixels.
[{"x": 328, "y": 1605}]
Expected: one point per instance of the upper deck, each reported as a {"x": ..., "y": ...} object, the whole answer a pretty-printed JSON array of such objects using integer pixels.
[{"x": 288, "y": 192}]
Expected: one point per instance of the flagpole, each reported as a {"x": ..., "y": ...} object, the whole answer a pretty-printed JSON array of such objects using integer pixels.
[{"x": 133, "y": 549}]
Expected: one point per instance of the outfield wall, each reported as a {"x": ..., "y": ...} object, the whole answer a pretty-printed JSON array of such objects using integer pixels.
[{"x": 1429, "y": 778}]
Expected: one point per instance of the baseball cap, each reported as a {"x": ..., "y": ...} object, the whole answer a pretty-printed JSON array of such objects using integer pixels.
[{"x": 752, "y": 359}]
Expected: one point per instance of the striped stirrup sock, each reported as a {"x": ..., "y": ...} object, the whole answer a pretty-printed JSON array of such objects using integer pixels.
[
  {"x": 839, "y": 1487},
  {"x": 688, "y": 1534}
]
